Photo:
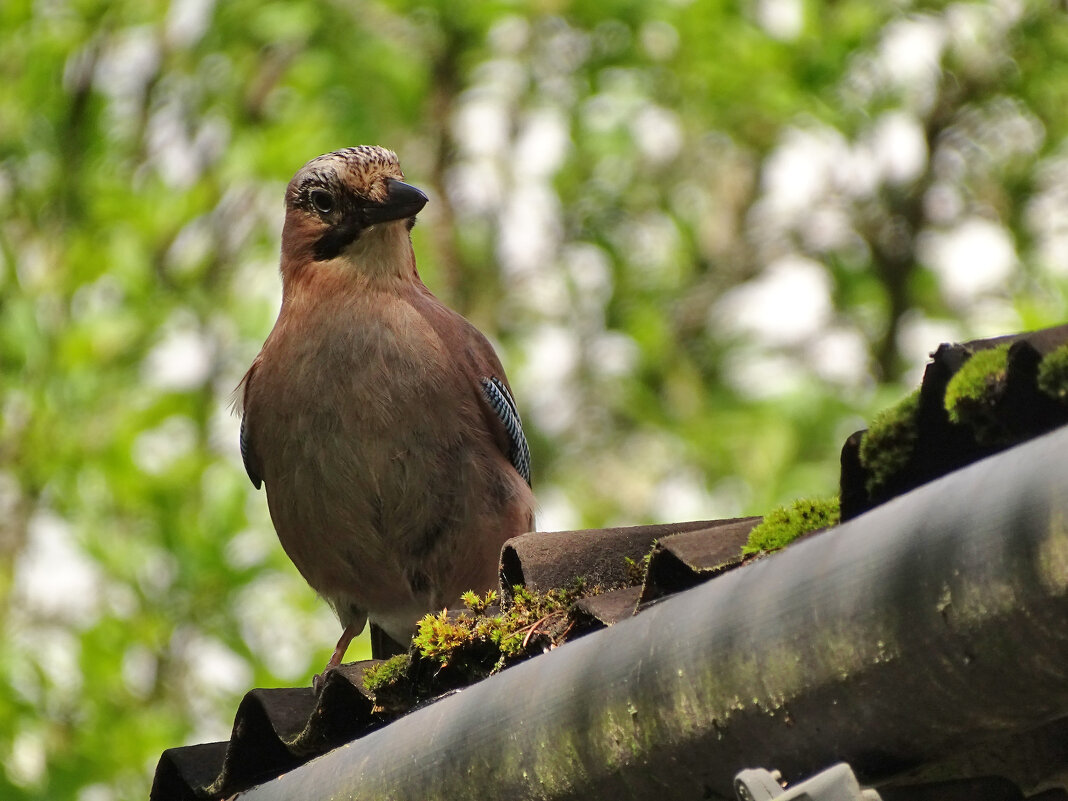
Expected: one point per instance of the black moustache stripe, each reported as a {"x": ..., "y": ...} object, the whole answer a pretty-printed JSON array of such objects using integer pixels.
[{"x": 336, "y": 240}]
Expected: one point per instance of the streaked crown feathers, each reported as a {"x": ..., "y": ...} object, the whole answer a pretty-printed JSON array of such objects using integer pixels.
[{"x": 362, "y": 169}]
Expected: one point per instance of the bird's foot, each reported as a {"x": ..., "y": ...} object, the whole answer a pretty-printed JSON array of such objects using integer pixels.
[{"x": 319, "y": 680}]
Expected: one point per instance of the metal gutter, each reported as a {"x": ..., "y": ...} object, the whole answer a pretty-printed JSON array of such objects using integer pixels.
[{"x": 935, "y": 622}]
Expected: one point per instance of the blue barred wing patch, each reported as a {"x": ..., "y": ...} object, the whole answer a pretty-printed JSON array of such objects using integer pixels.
[{"x": 500, "y": 400}]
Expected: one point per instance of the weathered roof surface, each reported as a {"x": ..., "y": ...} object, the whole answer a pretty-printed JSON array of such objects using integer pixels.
[
  {"x": 924, "y": 640},
  {"x": 544, "y": 559},
  {"x": 277, "y": 729},
  {"x": 981, "y": 685}
]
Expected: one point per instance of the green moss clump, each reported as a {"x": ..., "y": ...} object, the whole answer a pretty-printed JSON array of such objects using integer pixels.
[
  {"x": 486, "y": 642},
  {"x": 973, "y": 393},
  {"x": 479, "y": 604},
  {"x": 452, "y": 650},
  {"x": 439, "y": 635},
  {"x": 785, "y": 524},
  {"x": 387, "y": 674},
  {"x": 1053, "y": 374},
  {"x": 887, "y": 445}
]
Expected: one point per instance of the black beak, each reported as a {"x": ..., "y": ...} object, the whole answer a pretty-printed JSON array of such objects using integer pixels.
[{"x": 402, "y": 201}]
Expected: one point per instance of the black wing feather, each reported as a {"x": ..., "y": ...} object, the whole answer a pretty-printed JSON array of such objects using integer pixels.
[{"x": 246, "y": 455}]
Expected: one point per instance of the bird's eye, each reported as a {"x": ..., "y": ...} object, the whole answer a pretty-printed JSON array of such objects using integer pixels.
[{"x": 322, "y": 201}]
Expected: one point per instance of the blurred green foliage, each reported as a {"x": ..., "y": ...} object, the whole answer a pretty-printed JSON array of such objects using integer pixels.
[{"x": 623, "y": 195}]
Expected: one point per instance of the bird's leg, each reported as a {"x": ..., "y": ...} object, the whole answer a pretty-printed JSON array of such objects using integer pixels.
[
  {"x": 343, "y": 641},
  {"x": 347, "y": 635}
]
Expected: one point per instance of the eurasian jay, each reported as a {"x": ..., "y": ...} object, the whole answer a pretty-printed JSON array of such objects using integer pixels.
[{"x": 380, "y": 421}]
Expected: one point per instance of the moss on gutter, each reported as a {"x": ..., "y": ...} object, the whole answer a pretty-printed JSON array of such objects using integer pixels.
[{"x": 785, "y": 524}]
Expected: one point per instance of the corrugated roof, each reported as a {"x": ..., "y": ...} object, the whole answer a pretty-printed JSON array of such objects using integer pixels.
[
  {"x": 921, "y": 642},
  {"x": 277, "y": 729}
]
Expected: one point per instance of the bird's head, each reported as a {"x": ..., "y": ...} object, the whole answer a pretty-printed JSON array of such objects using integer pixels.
[{"x": 352, "y": 205}]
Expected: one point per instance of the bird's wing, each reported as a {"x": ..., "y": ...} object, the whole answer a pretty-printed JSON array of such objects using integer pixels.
[
  {"x": 485, "y": 374},
  {"x": 500, "y": 400},
  {"x": 247, "y": 456}
]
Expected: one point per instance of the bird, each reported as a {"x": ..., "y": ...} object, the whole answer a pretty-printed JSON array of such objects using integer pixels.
[{"x": 380, "y": 421}]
